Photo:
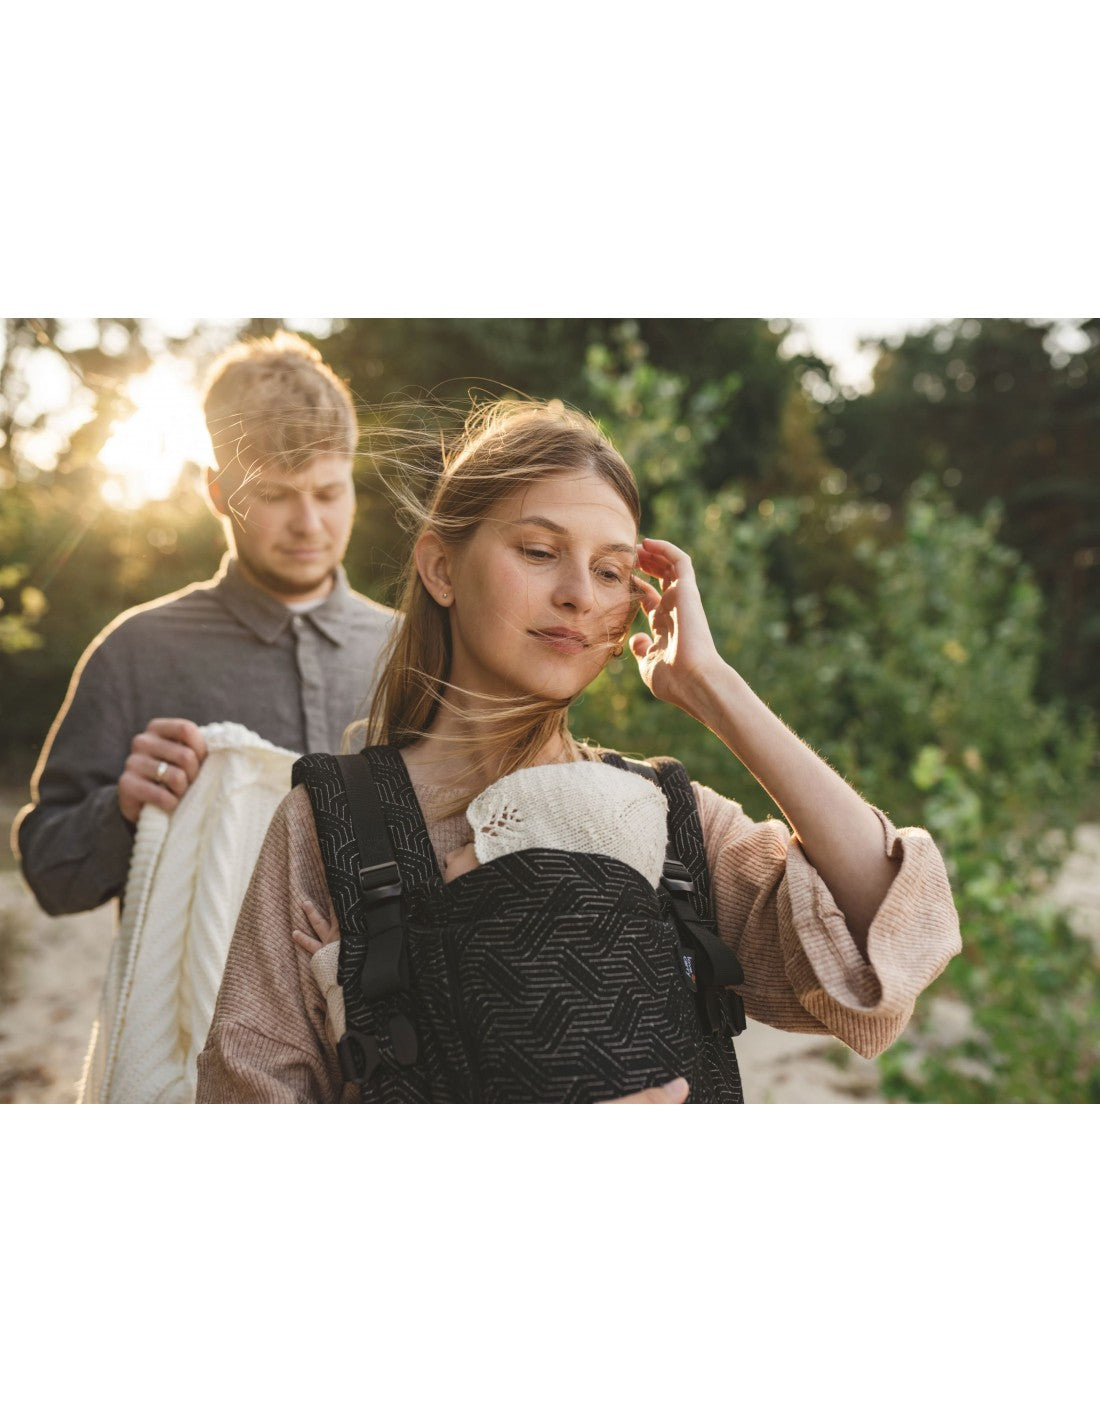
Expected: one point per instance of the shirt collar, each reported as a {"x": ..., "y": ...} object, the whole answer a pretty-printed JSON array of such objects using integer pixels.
[
  {"x": 268, "y": 618},
  {"x": 331, "y": 617}
]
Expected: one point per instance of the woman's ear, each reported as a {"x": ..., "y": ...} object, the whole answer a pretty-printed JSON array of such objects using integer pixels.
[{"x": 433, "y": 563}]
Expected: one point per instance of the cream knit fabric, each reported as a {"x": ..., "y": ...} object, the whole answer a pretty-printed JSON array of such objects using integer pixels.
[
  {"x": 585, "y": 808},
  {"x": 188, "y": 874}
]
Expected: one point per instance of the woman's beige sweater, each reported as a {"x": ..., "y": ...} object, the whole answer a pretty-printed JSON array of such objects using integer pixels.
[{"x": 803, "y": 971}]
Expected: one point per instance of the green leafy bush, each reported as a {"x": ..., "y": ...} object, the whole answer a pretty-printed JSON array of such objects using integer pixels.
[{"x": 907, "y": 653}]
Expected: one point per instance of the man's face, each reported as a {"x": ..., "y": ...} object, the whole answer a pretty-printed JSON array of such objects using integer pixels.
[{"x": 291, "y": 527}]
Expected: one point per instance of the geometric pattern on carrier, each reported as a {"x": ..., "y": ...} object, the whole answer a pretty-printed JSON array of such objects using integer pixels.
[{"x": 540, "y": 976}]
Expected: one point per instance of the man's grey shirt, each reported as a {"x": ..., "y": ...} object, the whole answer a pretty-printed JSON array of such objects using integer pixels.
[{"x": 217, "y": 651}]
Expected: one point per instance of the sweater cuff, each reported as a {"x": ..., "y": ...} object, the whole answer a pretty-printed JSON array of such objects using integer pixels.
[
  {"x": 912, "y": 937},
  {"x": 324, "y": 964}
]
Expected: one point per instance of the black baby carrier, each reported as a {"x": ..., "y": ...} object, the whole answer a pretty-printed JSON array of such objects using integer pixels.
[{"x": 541, "y": 976}]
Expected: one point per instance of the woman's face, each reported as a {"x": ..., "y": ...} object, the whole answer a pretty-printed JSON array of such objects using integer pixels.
[{"x": 541, "y": 594}]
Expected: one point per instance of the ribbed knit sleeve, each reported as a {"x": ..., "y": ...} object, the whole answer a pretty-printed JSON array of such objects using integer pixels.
[
  {"x": 803, "y": 970},
  {"x": 268, "y": 1041}
]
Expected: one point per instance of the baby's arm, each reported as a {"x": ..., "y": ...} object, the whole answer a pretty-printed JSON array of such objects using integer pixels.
[{"x": 324, "y": 951}]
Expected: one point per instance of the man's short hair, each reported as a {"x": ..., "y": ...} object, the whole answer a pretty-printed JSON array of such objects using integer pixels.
[{"x": 273, "y": 400}]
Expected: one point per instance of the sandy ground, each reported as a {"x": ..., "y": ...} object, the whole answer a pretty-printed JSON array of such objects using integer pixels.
[{"x": 51, "y": 972}]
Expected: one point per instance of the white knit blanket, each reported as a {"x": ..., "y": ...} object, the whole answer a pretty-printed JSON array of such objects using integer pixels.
[{"x": 188, "y": 875}]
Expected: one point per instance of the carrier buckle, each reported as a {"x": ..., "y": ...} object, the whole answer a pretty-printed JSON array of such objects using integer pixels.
[
  {"x": 378, "y": 882},
  {"x": 676, "y": 878},
  {"x": 359, "y": 1056}
]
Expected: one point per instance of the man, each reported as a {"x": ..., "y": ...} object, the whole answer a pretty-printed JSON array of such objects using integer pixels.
[{"x": 277, "y": 641}]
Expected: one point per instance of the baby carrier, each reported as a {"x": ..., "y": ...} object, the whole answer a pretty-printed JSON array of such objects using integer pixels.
[{"x": 540, "y": 976}]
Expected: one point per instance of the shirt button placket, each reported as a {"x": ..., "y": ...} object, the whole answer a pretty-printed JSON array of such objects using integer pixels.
[{"x": 312, "y": 685}]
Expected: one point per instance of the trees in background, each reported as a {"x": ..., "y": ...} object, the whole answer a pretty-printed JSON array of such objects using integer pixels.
[
  {"x": 906, "y": 646},
  {"x": 908, "y": 577},
  {"x": 998, "y": 411},
  {"x": 69, "y": 561}
]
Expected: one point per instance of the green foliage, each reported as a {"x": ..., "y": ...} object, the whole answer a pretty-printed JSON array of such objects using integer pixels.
[
  {"x": 998, "y": 409},
  {"x": 388, "y": 363},
  {"x": 916, "y": 676},
  {"x": 1032, "y": 1033},
  {"x": 894, "y": 628}
]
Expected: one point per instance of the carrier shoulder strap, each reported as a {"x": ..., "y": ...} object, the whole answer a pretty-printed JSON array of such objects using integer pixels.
[
  {"x": 686, "y": 880},
  {"x": 365, "y": 886}
]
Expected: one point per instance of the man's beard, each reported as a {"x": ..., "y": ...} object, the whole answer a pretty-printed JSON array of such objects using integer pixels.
[{"x": 274, "y": 582}]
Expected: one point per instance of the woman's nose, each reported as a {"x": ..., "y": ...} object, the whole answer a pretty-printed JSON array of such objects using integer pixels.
[{"x": 574, "y": 588}]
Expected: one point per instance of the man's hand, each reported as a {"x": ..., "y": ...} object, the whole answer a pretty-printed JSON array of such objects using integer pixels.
[
  {"x": 163, "y": 761},
  {"x": 673, "y": 1093}
]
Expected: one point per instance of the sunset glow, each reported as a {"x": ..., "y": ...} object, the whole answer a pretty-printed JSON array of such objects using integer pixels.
[{"x": 145, "y": 454}]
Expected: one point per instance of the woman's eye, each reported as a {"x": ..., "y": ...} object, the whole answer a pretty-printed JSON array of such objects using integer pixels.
[
  {"x": 537, "y": 555},
  {"x": 611, "y": 575}
]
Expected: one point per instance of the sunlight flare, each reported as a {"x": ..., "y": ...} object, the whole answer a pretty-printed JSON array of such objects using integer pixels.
[{"x": 146, "y": 453}]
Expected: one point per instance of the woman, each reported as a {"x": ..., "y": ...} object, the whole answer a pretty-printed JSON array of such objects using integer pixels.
[{"x": 522, "y": 583}]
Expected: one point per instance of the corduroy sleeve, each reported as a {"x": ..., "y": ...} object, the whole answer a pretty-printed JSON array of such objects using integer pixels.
[
  {"x": 803, "y": 970},
  {"x": 267, "y": 1041}
]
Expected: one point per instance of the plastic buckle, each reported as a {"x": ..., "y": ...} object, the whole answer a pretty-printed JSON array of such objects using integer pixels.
[
  {"x": 676, "y": 878},
  {"x": 378, "y": 882},
  {"x": 723, "y": 1011},
  {"x": 359, "y": 1056}
]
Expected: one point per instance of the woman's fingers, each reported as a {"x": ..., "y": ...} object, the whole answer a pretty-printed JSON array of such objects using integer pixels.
[
  {"x": 640, "y": 645},
  {"x": 305, "y": 942},
  {"x": 673, "y": 1093},
  {"x": 323, "y": 927},
  {"x": 662, "y": 560},
  {"x": 321, "y": 924},
  {"x": 665, "y": 549},
  {"x": 648, "y": 595}
]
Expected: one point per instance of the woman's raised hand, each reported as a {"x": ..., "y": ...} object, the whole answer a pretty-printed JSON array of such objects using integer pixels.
[{"x": 680, "y": 653}]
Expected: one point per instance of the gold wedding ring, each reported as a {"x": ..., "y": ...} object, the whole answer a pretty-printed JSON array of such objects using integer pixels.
[{"x": 162, "y": 771}]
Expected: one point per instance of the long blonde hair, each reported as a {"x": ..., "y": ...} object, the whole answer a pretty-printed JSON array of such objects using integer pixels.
[{"x": 505, "y": 445}]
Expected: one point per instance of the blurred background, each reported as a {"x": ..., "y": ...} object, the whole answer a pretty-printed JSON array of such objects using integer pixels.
[{"x": 896, "y": 527}]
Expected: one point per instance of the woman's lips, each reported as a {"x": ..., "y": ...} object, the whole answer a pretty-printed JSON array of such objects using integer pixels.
[{"x": 561, "y": 639}]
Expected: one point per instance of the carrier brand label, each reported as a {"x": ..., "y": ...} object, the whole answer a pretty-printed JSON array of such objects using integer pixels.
[{"x": 689, "y": 967}]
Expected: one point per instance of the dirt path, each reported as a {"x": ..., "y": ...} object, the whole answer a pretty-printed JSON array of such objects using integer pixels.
[
  {"x": 54, "y": 977},
  {"x": 51, "y": 973}
]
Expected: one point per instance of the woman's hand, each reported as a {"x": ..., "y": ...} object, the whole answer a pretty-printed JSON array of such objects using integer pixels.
[
  {"x": 327, "y": 929},
  {"x": 839, "y": 833},
  {"x": 680, "y": 655},
  {"x": 673, "y": 1093}
]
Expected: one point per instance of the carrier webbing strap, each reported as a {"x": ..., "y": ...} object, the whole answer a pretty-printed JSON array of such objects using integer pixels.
[
  {"x": 365, "y": 888},
  {"x": 716, "y": 965},
  {"x": 384, "y": 970}
]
